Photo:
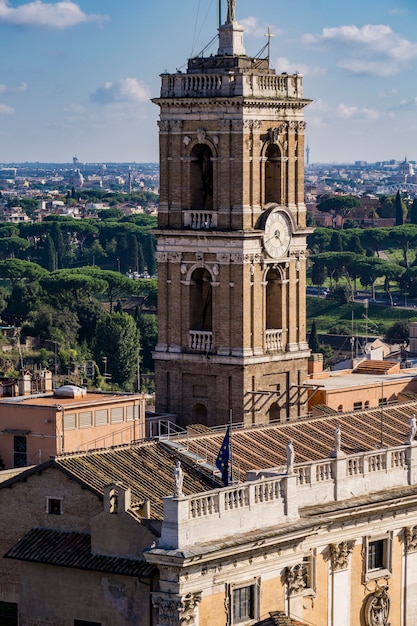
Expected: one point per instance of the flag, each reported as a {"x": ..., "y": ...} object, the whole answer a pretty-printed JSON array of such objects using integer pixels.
[{"x": 223, "y": 458}]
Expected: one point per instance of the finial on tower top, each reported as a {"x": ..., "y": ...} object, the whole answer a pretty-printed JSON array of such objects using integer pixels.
[{"x": 231, "y": 6}]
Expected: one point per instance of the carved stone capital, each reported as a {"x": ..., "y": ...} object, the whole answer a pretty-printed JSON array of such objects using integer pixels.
[
  {"x": 273, "y": 134},
  {"x": 296, "y": 578},
  {"x": 169, "y": 609},
  {"x": 161, "y": 257},
  {"x": 175, "y": 257},
  {"x": 176, "y": 125},
  {"x": 223, "y": 258},
  {"x": 410, "y": 538},
  {"x": 339, "y": 554},
  {"x": 188, "y": 607},
  {"x": 301, "y": 127},
  {"x": 163, "y": 125},
  {"x": 237, "y": 258}
]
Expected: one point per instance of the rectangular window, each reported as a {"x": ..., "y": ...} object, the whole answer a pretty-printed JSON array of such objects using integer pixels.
[
  {"x": 382, "y": 401},
  {"x": 357, "y": 406},
  {"x": 243, "y": 599},
  {"x": 8, "y": 614},
  {"x": 20, "y": 451},
  {"x": 54, "y": 506},
  {"x": 101, "y": 417},
  {"x": 116, "y": 415},
  {"x": 70, "y": 422},
  {"x": 86, "y": 419},
  {"x": 378, "y": 556},
  {"x": 243, "y": 604},
  {"x": 131, "y": 413}
]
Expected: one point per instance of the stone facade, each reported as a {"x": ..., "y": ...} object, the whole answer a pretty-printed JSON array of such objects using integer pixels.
[{"x": 232, "y": 327}]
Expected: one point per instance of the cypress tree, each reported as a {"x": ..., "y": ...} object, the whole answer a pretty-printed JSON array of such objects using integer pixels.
[{"x": 313, "y": 340}]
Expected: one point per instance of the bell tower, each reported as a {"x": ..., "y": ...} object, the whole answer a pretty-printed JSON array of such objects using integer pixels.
[{"x": 231, "y": 240}]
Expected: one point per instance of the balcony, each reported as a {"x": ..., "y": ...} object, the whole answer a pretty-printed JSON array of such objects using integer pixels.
[
  {"x": 273, "y": 338},
  {"x": 200, "y": 220},
  {"x": 200, "y": 340}
]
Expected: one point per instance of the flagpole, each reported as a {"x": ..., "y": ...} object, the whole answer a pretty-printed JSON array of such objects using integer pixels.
[
  {"x": 220, "y": 13},
  {"x": 231, "y": 444}
]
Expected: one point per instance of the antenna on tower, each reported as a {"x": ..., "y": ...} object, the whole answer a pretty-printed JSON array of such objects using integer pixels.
[
  {"x": 269, "y": 35},
  {"x": 220, "y": 13}
]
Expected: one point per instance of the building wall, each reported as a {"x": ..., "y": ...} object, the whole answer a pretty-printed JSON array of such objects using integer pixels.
[
  {"x": 53, "y": 428},
  {"x": 56, "y": 596},
  {"x": 24, "y": 505},
  {"x": 370, "y": 395}
]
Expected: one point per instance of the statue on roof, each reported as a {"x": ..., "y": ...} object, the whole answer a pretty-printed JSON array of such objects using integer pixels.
[
  {"x": 231, "y": 6},
  {"x": 178, "y": 480},
  {"x": 413, "y": 429},
  {"x": 290, "y": 457}
]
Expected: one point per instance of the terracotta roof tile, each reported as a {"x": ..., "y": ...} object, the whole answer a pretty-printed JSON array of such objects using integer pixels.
[
  {"x": 73, "y": 549},
  {"x": 147, "y": 468}
]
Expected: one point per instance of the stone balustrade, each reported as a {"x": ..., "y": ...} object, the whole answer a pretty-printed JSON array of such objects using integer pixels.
[
  {"x": 270, "y": 497},
  {"x": 200, "y": 220},
  {"x": 200, "y": 340},
  {"x": 273, "y": 339},
  {"x": 211, "y": 85}
]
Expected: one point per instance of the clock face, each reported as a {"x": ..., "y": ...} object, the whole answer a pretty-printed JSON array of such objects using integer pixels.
[{"x": 277, "y": 236}]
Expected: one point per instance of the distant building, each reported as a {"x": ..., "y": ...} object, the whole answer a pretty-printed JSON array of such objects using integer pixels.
[{"x": 37, "y": 426}]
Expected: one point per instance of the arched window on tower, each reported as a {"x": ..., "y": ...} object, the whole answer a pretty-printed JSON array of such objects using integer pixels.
[
  {"x": 273, "y": 299},
  {"x": 274, "y": 330},
  {"x": 201, "y": 178},
  {"x": 273, "y": 174},
  {"x": 201, "y": 300}
]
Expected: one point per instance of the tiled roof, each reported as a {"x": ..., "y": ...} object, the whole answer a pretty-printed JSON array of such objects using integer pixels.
[
  {"x": 147, "y": 468},
  {"x": 313, "y": 438},
  {"x": 73, "y": 549}
]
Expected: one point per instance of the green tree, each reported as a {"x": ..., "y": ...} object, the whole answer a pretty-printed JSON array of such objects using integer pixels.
[
  {"x": 57, "y": 238},
  {"x": 318, "y": 273},
  {"x": 398, "y": 332},
  {"x": 335, "y": 244},
  {"x": 400, "y": 210},
  {"x": 49, "y": 254},
  {"x": 403, "y": 237},
  {"x": 319, "y": 240},
  {"x": 339, "y": 205},
  {"x": 148, "y": 327},
  {"x": 413, "y": 212},
  {"x": 313, "y": 340},
  {"x": 117, "y": 340}
]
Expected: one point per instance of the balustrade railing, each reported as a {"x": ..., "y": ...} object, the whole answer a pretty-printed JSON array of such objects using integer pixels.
[
  {"x": 200, "y": 340},
  {"x": 273, "y": 338},
  {"x": 200, "y": 220}
]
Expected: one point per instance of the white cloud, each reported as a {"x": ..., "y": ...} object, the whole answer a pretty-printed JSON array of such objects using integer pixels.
[
  {"x": 254, "y": 29},
  {"x": 373, "y": 49},
  {"x": 284, "y": 65},
  {"x": 18, "y": 89},
  {"x": 321, "y": 112},
  {"x": 5, "y": 109},
  {"x": 353, "y": 112},
  {"x": 366, "y": 68},
  {"x": 406, "y": 105},
  {"x": 74, "y": 109},
  {"x": 37, "y": 13},
  {"x": 125, "y": 90}
]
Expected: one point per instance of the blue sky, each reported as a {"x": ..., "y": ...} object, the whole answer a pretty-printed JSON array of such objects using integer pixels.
[{"x": 76, "y": 76}]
